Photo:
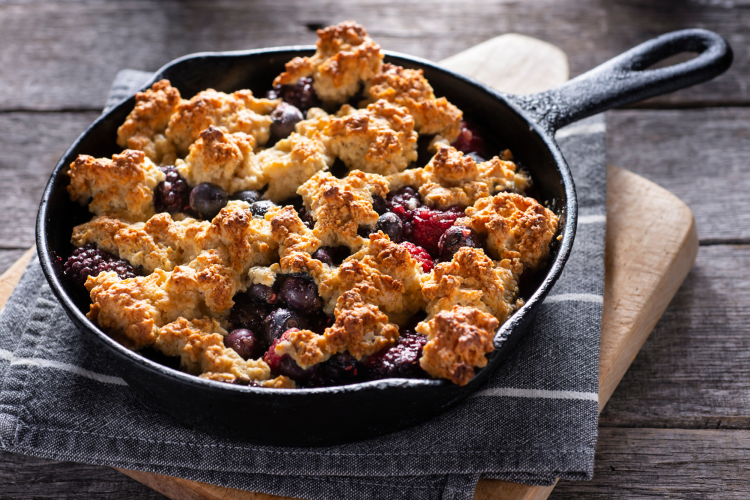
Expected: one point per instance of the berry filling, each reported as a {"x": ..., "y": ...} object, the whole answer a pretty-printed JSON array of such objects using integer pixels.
[
  {"x": 172, "y": 194},
  {"x": 430, "y": 224},
  {"x": 420, "y": 255},
  {"x": 301, "y": 95},
  {"x": 398, "y": 361},
  {"x": 470, "y": 140},
  {"x": 90, "y": 261}
]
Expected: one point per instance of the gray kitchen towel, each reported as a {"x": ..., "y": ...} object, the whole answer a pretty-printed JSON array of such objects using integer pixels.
[{"x": 534, "y": 420}]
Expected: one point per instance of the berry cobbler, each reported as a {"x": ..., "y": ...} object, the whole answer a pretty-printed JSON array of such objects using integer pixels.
[{"x": 294, "y": 240}]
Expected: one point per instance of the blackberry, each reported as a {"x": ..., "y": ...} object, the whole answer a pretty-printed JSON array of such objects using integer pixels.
[
  {"x": 285, "y": 117},
  {"x": 301, "y": 95},
  {"x": 400, "y": 360},
  {"x": 406, "y": 197},
  {"x": 90, "y": 261},
  {"x": 173, "y": 194}
]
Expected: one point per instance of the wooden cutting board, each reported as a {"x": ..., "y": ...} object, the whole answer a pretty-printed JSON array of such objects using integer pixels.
[{"x": 651, "y": 245}]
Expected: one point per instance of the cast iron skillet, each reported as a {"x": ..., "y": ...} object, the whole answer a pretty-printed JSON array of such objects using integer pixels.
[{"x": 337, "y": 414}]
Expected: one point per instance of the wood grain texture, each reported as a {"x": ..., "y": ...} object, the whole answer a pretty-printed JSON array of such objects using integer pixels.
[
  {"x": 700, "y": 155},
  {"x": 63, "y": 55},
  {"x": 694, "y": 370},
  {"x": 639, "y": 464}
]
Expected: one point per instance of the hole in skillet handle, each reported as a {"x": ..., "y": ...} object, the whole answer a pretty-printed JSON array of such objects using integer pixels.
[{"x": 627, "y": 79}]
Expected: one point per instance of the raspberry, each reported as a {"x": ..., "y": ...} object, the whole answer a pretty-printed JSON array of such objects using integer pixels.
[
  {"x": 272, "y": 359},
  {"x": 90, "y": 261},
  {"x": 470, "y": 140},
  {"x": 430, "y": 224},
  {"x": 300, "y": 95},
  {"x": 400, "y": 360},
  {"x": 420, "y": 255},
  {"x": 173, "y": 194}
]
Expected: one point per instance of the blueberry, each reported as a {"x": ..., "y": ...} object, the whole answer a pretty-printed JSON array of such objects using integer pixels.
[
  {"x": 291, "y": 369},
  {"x": 379, "y": 204},
  {"x": 259, "y": 208},
  {"x": 285, "y": 117},
  {"x": 300, "y": 294},
  {"x": 207, "y": 199},
  {"x": 454, "y": 238},
  {"x": 300, "y": 95},
  {"x": 245, "y": 343},
  {"x": 306, "y": 218},
  {"x": 248, "y": 196},
  {"x": 333, "y": 256},
  {"x": 391, "y": 225},
  {"x": 323, "y": 255},
  {"x": 278, "y": 322},
  {"x": 262, "y": 293},
  {"x": 247, "y": 313},
  {"x": 364, "y": 231}
]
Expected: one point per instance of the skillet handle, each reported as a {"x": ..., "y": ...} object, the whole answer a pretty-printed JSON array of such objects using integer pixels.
[{"x": 625, "y": 79}]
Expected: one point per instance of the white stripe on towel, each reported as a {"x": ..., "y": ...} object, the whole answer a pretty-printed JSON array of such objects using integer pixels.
[
  {"x": 512, "y": 392},
  {"x": 593, "y": 128},
  {"x": 46, "y": 363},
  {"x": 575, "y": 297},
  {"x": 592, "y": 219}
]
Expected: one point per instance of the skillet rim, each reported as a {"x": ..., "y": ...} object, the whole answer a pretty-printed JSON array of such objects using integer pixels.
[{"x": 569, "y": 214}]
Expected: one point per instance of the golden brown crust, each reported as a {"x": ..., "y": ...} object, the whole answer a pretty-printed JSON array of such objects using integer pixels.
[
  {"x": 380, "y": 139},
  {"x": 296, "y": 244},
  {"x": 409, "y": 88},
  {"x": 236, "y": 112},
  {"x": 458, "y": 340},
  {"x": 290, "y": 163},
  {"x": 516, "y": 227},
  {"x": 200, "y": 345},
  {"x": 471, "y": 279},
  {"x": 123, "y": 184},
  {"x": 226, "y": 160},
  {"x": 345, "y": 58},
  {"x": 144, "y": 127}
]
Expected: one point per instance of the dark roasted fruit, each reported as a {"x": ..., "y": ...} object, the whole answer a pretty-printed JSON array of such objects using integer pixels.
[
  {"x": 290, "y": 368},
  {"x": 333, "y": 256},
  {"x": 469, "y": 140},
  {"x": 245, "y": 343},
  {"x": 400, "y": 360},
  {"x": 430, "y": 224},
  {"x": 455, "y": 238},
  {"x": 172, "y": 194},
  {"x": 364, "y": 231},
  {"x": 248, "y": 196},
  {"x": 262, "y": 293},
  {"x": 379, "y": 204},
  {"x": 306, "y": 218},
  {"x": 248, "y": 313},
  {"x": 301, "y": 294},
  {"x": 90, "y": 261},
  {"x": 300, "y": 95},
  {"x": 420, "y": 255},
  {"x": 285, "y": 117},
  {"x": 272, "y": 359},
  {"x": 406, "y": 197},
  {"x": 278, "y": 322},
  {"x": 207, "y": 199},
  {"x": 391, "y": 225},
  {"x": 259, "y": 208}
]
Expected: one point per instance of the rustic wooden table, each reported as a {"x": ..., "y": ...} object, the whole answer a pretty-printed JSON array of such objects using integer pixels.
[{"x": 678, "y": 426}]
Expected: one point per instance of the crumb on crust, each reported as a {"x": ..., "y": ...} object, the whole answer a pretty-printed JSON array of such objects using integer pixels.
[
  {"x": 345, "y": 58},
  {"x": 236, "y": 112},
  {"x": 516, "y": 227},
  {"x": 144, "y": 127},
  {"x": 409, "y": 88},
  {"x": 457, "y": 341},
  {"x": 123, "y": 184}
]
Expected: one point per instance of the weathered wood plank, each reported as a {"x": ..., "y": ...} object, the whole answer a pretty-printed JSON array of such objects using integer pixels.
[
  {"x": 694, "y": 370},
  {"x": 63, "y": 55},
  {"x": 31, "y": 145},
  {"x": 700, "y": 155},
  {"x": 23, "y": 477},
  {"x": 674, "y": 464}
]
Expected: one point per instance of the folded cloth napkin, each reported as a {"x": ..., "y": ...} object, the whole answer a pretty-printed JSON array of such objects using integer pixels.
[{"x": 535, "y": 420}]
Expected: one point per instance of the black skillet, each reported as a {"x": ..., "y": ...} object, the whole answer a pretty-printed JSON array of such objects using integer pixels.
[{"x": 322, "y": 416}]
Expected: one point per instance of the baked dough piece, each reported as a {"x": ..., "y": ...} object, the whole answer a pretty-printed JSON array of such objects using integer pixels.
[
  {"x": 236, "y": 112},
  {"x": 125, "y": 184},
  {"x": 144, "y": 127},
  {"x": 290, "y": 163},
  {"x": 379, "y": 139},
  {"x": 226, "y": 160},
  {"x": 346, "y": 57},
  {"x": 471, "y": 279},
  {"x": 340, "y": 206},
  {"x": 516, "y": 227},
  {"x": 454, "y": 179},
  {"x": 296, "y": 244},
  {"x": 159, "y": 243},
  {"x": 409, "y": 88},
  {"x": 457, "y": 341}
]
